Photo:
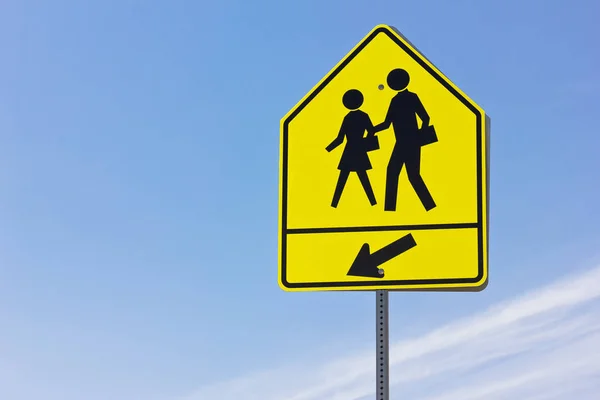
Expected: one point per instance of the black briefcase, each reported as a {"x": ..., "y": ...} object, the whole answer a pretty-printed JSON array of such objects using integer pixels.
[
  {"x": 371, "y": 143},
  {"x": 427, "y": 135}
]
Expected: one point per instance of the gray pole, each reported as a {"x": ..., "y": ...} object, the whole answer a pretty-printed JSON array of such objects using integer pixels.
[{"x": 383, "y": 348}]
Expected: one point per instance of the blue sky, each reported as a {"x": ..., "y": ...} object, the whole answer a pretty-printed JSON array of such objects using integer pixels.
[{"x": 138, "y": 216}]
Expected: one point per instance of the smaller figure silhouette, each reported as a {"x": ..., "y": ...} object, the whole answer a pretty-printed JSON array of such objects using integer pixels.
[{"x": 355, "y": 156}]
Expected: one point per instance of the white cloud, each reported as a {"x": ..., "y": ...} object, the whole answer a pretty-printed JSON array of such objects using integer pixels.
[{"x": 543, "y": 345}]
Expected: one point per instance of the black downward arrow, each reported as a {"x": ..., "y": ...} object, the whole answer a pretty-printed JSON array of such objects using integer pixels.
[{"x": 366, "y": 264}]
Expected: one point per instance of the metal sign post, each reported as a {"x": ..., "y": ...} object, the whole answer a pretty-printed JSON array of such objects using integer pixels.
[{"x": 383, "y": 345}]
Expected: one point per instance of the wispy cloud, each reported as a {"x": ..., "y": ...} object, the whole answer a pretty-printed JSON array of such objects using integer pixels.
[{"x": 542, "y": 345}]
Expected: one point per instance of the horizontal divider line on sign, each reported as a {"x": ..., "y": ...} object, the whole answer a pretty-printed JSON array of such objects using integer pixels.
[{"x": 343, "y": 229}]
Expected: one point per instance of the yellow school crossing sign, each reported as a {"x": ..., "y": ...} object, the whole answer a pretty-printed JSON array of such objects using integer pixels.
[{"x": 384, "y": 177}]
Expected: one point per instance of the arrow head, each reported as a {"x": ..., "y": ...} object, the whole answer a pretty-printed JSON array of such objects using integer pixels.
[{"x": 364, "y": 265}]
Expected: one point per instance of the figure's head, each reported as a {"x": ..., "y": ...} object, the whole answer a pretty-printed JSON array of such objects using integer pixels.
[
  {"x": 398, "y": 79},
  {"x": 353, "y": 99}
]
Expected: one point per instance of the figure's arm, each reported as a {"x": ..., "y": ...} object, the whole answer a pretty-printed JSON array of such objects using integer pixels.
[
  {"x": 385, "y": 124},
  {"x": 420, "y": 110},
  {"x": 369, "y": 126},
  {"x": 337, "y": 141}
]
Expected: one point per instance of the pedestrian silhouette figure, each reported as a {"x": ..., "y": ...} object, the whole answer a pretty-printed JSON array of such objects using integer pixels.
[
  {"x": 404, "y": 107},
  {"x": 355, "y": 156}
]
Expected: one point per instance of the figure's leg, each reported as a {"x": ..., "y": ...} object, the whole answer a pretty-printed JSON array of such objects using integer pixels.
[
  {"x": 413, "y": 169},
  {"x": 339, "y": 188},
  {"x": 391, "y": 182},
  {"x": 366, "y": 184}
]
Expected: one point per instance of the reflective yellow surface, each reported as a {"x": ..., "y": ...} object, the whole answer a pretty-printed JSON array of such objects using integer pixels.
[{"x": 318, "y": 242}]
